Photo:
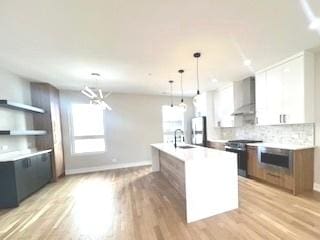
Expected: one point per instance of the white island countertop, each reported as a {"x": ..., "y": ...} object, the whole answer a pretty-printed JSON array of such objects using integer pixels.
[
  {"x": 211, "y": 178},
  {"x": 196, "y": 153}
]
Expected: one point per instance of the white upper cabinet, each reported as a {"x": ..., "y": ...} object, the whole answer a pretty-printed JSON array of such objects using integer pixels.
[
  {"x": 294, "y": 99},
  {"x": 261, "y": 99},
  {"x": 224, "y": 107},
  {"x": 285, "y": 92},
  {"x": 274, "y": 94}
]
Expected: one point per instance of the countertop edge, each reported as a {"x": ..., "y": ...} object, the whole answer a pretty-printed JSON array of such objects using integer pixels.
[
  {"x": 280, "y": 146},
  {"x": 26, "y": 155},
  {"x": 159, "y": 147}
]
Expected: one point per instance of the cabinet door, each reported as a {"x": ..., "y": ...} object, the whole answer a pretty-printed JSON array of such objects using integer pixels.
[
  {"x": 227, "y": 106},
  {"x": 254, "y": 168},
  {"x": 261, "y": 99},
  {"x": 293, "y": 91},
  {"x": 8, "y": 190},
  {"x": 44, "y": 169},
  {"x": 24, "y": 178},
  {"x": 274, "y": 95},
  {"x": 251, "y": 162}
]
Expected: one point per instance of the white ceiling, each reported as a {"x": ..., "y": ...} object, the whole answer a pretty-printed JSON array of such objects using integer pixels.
[{"x": 62, "y": 42}]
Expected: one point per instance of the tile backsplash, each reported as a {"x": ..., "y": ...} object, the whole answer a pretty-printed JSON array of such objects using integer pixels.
[{"x": 301, "y": 134}]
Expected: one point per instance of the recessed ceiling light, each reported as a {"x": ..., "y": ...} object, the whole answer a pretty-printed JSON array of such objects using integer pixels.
[
  {"x": 214, "y": 80},
  {"x": 315, "y": 24},
  {"x": 247, "y": 62}
]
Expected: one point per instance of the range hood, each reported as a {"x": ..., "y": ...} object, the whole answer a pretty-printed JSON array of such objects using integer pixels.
[{"x": 244, "y": 97}]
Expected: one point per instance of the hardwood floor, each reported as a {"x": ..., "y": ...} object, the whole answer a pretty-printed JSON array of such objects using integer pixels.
[{"x": 136, "y": 204}]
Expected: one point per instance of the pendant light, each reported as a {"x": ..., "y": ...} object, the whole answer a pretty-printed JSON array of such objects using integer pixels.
[
  {"x": 197, "y": 55},
  {"x": 182, "y": 105},
  {"x": 96, "y": 96},
  {"x": 171, "y": 97}
]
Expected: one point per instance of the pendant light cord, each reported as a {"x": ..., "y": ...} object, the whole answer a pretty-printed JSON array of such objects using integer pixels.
[
  {"x": 198, "y": 91},
  {"x": 181, "y": 88},
  {"x": 171, "y": 97},
  {"x": 197, "y": 55},
  {"x": 181, "y": 71}
]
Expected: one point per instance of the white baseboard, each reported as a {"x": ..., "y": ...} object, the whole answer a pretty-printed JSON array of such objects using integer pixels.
[
  {"x": 107, "y": 167},
  {"x": 316, "y": 187}
]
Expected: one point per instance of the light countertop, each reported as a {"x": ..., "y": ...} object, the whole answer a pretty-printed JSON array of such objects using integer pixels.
[
  {"x": 17, "y": 155},
  {"x": 199, "y": 153},
  {"x": 281, "y": 146}
]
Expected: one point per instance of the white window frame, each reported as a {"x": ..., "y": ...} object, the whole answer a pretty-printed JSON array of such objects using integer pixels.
[
  {"x": 171, "y": 133},
  {"x": 74, "y": 138}
]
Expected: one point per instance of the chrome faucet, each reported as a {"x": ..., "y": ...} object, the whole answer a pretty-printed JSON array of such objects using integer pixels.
[{"x": 175, "y": 136}]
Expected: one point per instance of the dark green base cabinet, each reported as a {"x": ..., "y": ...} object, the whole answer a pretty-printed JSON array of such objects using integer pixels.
[{"x": 21, "y": 178}]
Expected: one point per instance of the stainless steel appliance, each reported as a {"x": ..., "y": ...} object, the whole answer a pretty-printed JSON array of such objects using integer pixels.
[
  {"x": 244, "y": 102},
  {"x": 276, "y": 159},
  {"x": 240, "y": 148},
  {"x": 199, "y": 131},
  {"x": 244, "y": 97}
]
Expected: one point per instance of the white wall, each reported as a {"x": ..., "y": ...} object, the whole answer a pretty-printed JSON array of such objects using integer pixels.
[
  {"x": 15, "y": 89},
  {"x": 134, "y": 123}
]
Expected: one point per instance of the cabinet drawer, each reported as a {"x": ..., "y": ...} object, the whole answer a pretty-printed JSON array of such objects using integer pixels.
[
  {"x": 278, "y": 178},
  {"x": 273, "y": 178}
]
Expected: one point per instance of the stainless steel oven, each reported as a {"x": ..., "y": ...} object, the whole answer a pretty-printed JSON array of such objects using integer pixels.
[
  {"x": 276, "y": 159},
  {"x": 240, "y": 148}
]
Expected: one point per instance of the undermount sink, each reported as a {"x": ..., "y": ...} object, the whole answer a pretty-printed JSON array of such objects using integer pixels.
[{"x": 185, "y": 147}]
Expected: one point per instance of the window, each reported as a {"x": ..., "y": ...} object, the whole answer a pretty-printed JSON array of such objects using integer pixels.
[
  {"x": 88, "y": 129},
  {"x": 172, "y": 119}
]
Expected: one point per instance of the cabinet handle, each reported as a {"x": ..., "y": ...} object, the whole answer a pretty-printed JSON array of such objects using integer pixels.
[
  {"x": 280, "y": 118},
  {"x": 30, "y": 164},
  {"x": 273, "y": 175},
  {"x": 284, "y": 118}
]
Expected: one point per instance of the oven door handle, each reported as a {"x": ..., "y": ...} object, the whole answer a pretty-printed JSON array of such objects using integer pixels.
[{"x": 238, "y": 149}]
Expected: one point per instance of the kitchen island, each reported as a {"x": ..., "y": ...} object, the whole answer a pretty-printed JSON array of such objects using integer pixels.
[{"x": 206, "y": 178}]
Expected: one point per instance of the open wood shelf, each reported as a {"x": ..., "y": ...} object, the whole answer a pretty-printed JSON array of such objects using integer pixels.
[
  {"x": 23, "y": 132},
  {"x": 20, "y": 106}
]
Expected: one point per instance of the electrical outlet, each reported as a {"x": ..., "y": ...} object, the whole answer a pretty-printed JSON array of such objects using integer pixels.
[
  {"x": 30, "y": 144},
  {"x": 114, "y": 160},
  {"x": 4, "y": 147}
]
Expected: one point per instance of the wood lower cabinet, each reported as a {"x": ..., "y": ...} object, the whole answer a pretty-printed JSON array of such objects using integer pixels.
[
  {"x": 46, "y": 97},
  {"x": 278, "y": 178},
  {"x": 252, "y": 163},
  {"x": 174, "y": 171},
  {"x": 299, "y": 181},
  {"x": 216, "y": 145},
  {"x": 20, "y": 178}
]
